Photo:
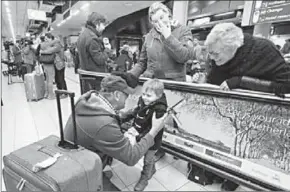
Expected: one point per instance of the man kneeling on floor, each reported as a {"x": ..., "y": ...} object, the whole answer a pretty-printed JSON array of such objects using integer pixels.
[{"x": 98, "y": 123}]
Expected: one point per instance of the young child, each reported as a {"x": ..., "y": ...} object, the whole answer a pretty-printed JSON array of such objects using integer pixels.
[{"x": 152, "y": 100}]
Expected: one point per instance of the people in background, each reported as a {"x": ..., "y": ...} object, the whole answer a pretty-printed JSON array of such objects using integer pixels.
[
  {"x": 92, "y": 53},
  {"x": 286, "y": 51},
  {"x": 124, "y": 62},
  {"x": 135, "y": 57},
  {"x": 243, "y": 61},
  {"x": 195, "y": 42},
  {"x": 286, "y": 47},
  {"x": 48, "y": 67},
  {"x": 16, "y": 52},
  {"x": 152, "y": 100},
  {"x": 99, "y": 124},
  {"x": 59, "y": 63},
  {"x": 29, "y": 56}
]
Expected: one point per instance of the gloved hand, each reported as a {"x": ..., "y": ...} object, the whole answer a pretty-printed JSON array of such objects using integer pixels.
[
  {"x": 280, "y": 89},
  {"x": 234, "y": 82},
  {"x": 131, "y": 80}
]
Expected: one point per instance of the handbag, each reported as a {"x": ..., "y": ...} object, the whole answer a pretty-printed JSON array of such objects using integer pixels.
[
  {"x": 38, "y": 69},
  {"x": 201, "y": 176},
  {"x": 47, "y": 58}
]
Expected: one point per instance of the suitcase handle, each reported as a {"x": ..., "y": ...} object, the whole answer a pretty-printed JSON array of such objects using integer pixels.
[{"x": 62, "y": 143}]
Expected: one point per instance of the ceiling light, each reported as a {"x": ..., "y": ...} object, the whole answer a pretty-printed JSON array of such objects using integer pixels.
[
  {"x": 59, "y": 24},
  {"x": 128, "y": 4},
  {"x": 224, "y": 14},
  {"x": 75, "y": 12},
  {"x": 8, "y": 10},
  {"x": 6, "y": 3},
  {"x": 85, "y": 5}
]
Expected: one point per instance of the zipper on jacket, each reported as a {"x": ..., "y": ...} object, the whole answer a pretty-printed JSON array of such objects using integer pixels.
[
  {"x": 44, "y": 179},
  {"x": 22, "y": 182}
]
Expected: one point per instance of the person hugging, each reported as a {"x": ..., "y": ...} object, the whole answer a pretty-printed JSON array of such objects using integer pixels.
[{"x": 152, "y": 100}]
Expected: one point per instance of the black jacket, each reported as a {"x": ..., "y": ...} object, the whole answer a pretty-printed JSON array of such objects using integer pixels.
[
  {"x": 257, "y": 59},
  {"x": 143, "y": 114},
  {"x": 92, "y": 53},
  {"x": 121, "y": 62}
]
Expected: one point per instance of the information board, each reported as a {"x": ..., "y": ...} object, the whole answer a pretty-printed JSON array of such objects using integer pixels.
[
  {"x": 246, "y": 136},
  {"x": 270, "y": 11}
]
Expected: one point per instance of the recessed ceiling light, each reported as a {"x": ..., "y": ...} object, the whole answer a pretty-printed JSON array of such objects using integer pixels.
[
  {"x": 128, "y": 4},
  {"x": 85, "y": 5},
  {"x": 8, "y": 10},
  {"x": 75, "y": 12},
  {"x": 6, "y": 3}
]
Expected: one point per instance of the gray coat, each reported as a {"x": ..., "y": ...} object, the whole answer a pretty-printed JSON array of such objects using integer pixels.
[{"x": 165, "y": 58}]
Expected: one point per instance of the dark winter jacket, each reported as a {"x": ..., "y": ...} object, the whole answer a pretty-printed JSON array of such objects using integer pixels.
[
  {"x": 258, "y": 59},
  {"x": 98, "y": 130},
  {"x": 165, "y": 58},
  {"x": 17, "y": 54},
  {"x": 28, "y": 55},
  {"x": 123, "y": 61},
  {"x": 142, "y": 115},
  {"x": 92, "y": 53}
]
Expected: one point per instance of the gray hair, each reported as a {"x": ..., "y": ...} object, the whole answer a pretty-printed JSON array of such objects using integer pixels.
[
  {"x": 156, "y": 7},
  {"x": 227, "y": 35}
]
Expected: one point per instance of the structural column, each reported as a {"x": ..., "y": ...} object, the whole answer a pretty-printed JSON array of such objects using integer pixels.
[{"x": 180, "y": 9}]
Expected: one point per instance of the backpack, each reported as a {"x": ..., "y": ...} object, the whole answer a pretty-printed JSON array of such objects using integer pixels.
[{"x": 201, "y": 176}]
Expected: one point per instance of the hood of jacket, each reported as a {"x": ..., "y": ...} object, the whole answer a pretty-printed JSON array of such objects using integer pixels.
[{"x": 92, "y": 104}]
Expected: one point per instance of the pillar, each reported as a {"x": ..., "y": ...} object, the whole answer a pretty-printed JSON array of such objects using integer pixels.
[{"x": 179, "y": 12}]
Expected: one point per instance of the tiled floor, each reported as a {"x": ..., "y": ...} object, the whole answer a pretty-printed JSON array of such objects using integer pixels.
[{"x": 26, "y": 122}]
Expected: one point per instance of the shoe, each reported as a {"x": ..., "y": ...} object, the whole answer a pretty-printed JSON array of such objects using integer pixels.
[
  {"x": 141, "y": 184},
  {"x": 159, "y": 154}
]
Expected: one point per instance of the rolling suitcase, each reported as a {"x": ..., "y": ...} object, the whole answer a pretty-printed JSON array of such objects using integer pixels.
[
  {"x": 53, "y": 164},
  {"x": 34, "y": 86}
]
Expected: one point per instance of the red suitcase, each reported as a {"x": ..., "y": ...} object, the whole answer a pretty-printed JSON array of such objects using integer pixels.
[{"x": 53, "y": 164}]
